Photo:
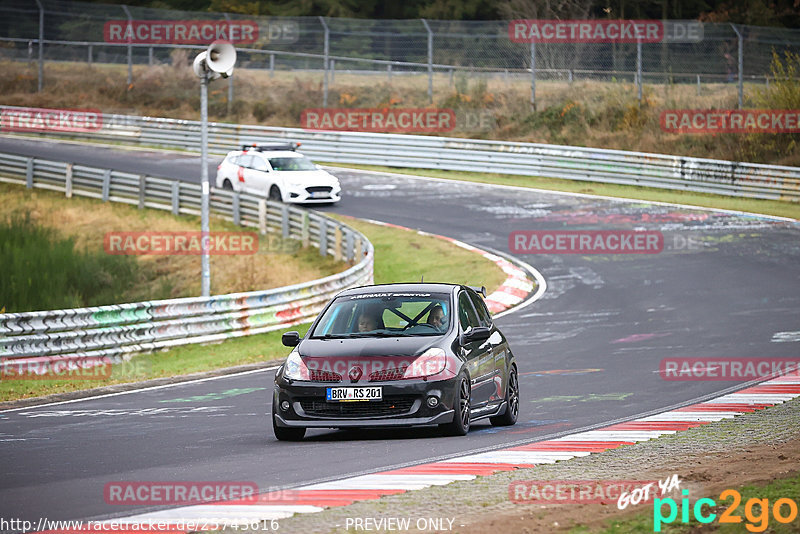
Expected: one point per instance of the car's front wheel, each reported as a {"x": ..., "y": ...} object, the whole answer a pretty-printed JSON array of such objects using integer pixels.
[
  {"x": 461, "y": 418},
  {"x": 284, "y": 433},
  {"x": 275, "y": 194},
  {"x": 512, "y": 401}
]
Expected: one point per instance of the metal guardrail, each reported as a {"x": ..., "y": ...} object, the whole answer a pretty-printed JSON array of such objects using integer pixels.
[
  {"x": 681, "y": 173},
  {"x": 110, "y": 333}
]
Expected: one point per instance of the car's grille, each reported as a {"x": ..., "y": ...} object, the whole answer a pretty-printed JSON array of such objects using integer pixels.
[
  {"x": 319, "y": 189},
  {"x": 394, "y": 373},
  {"x": 396, "y": 405},
  {"x": 324, "y": 376}
]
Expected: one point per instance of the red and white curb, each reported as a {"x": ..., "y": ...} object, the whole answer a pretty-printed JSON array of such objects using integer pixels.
[
  {"x": 317, "y": 497},
  {"x": 511, "y": 292}
]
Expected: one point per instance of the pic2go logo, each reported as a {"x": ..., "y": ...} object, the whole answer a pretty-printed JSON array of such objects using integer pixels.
[{"x": 756, "y": 511}]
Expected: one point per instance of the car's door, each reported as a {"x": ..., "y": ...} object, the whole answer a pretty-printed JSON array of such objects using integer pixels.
[
  {"x": 259, "y": 175},
  {"x": 478, "y": 354},
  {"x": 499, "y": 348}
]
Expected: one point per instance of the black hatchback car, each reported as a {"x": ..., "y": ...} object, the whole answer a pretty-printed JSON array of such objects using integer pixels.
[{"x": 397, "y": 355}]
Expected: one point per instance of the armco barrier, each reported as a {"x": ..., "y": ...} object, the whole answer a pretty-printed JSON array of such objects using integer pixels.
[
  {"x": 109, "y": 333},
  {"x": 427, "y": 152}
]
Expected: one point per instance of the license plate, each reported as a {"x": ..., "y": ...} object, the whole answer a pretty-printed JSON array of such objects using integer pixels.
[
  {"x": 319, "y": 194},
  {"x": 354, "y": 394}
]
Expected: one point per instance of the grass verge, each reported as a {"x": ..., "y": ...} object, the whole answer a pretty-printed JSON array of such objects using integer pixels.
[
  {"x": 401, "y": 256},
  {"x": 768, "y": 207}
]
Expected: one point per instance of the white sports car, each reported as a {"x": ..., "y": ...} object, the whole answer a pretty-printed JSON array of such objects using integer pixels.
[{"x": 278, "y": 172}]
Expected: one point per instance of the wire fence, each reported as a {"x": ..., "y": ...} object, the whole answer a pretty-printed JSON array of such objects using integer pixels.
[{"x": 690, "y": 52}]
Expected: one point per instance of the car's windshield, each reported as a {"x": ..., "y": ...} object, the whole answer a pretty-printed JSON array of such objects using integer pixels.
[
  {"x": 385, "y": 314},
  {"x": 292, "y": 164}
]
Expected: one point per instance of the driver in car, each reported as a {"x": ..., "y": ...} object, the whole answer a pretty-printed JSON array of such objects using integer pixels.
[{"x": 436, "y": 318}]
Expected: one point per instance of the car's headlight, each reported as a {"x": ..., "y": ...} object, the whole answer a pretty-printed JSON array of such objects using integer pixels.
[
  {"x": 432, "y": 362},
  {"x": 295, "y": 368}
]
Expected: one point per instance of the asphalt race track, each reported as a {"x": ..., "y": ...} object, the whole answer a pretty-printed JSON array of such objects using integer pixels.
[{"x": 725, "y": 285}]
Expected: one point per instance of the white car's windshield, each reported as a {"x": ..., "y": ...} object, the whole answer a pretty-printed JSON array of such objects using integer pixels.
[
  {"x": 385, "y": 315},
  {"x": 292, "y": 164}
]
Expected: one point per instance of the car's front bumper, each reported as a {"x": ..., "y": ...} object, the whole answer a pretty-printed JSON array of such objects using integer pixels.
[
  {"x": 404, "y": 404},
  {"x": 301, "y": 195}
]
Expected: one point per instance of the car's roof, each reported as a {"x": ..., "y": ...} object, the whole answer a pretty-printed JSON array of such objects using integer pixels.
[
  {"x": 402, "y": 288},
  {"x": 267, "y": 153}
]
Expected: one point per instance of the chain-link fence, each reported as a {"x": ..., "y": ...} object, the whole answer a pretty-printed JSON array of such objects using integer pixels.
[{"x": 55, "y": 30}]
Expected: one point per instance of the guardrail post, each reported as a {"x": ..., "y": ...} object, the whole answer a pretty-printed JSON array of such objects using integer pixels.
[
  {"x": 107, "y": 184},
  {"x": 237, "y": 215},
  {"x": 333, "y": 71},
  {"x": 285, "y": 221},
  {"x": 323, "y": 237},
  {"x": 29, "y": 173},
  {"x": 304, "y": 229},
  {"x": 337, "y": 246},
  {"x": 176, "y": 198},
  {"x": 271, "y": 65},
  {"x": 698, "y": 85},
  {"x": 262, "y": 216},
  {"x": 90, "y": 55},
  {"x": 357, "y": 252},
  {"x": 68, "y": 184},
  {"x": 389, "y": 73},
  {"x": 142, "y": 190},
  {"x": 348, "y": 251}
]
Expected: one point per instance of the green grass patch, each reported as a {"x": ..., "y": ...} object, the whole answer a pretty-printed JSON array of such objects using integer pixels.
[
  {"x": 43, "y": 270},
  {"x": 767, "y": 207},
  {"x": 753, "y": 517},
  {"x": 406, "y": 256},
  {"x": 400, "y": 256}
]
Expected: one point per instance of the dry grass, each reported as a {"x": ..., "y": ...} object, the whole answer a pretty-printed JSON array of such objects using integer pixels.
[
  {"x": 584, "y": 113},
  {"x": 89, "y": 220}
]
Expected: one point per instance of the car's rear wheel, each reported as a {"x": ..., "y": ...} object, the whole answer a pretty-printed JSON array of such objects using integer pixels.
[
  {"x": 460, "y": 424},
  {"x": 275, "y": 194},
  {"x": 512, "y": 401},
  {"x": 227, "y": 185},
  {"x": 284, "y": 433}
]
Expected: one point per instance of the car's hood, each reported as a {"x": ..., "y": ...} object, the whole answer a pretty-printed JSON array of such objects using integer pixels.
[
  {"x": 308, "y": 178},
  {"x": 359, "y": 348}
]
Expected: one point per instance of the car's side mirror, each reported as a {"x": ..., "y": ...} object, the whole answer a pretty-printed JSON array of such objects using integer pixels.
[
  {"x": 478, "y": 333},
  {"x": 290, "y": 339}
]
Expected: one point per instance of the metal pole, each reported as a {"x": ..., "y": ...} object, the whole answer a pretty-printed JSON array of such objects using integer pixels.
[
  {"x": 430, "y": 60},
  {"x": 41, "y": 46},
  {"x": 741, "y": 65},
  {"x": 204, "y": 226},
  {"x": 325, "y": 53},
  {"x": 333, "y": 71},
  {"x": 533, "y": 75},
  {"x": 230, "y": 78},
  {"x": 698, "y": 85},
  {"x": 90, "y": 55},
  {"x": 130, "y": 44},
  {"x": 271, "y": 65},
  {"x": 639, "y": 69},
  {"x": 389, "y": 72}
]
